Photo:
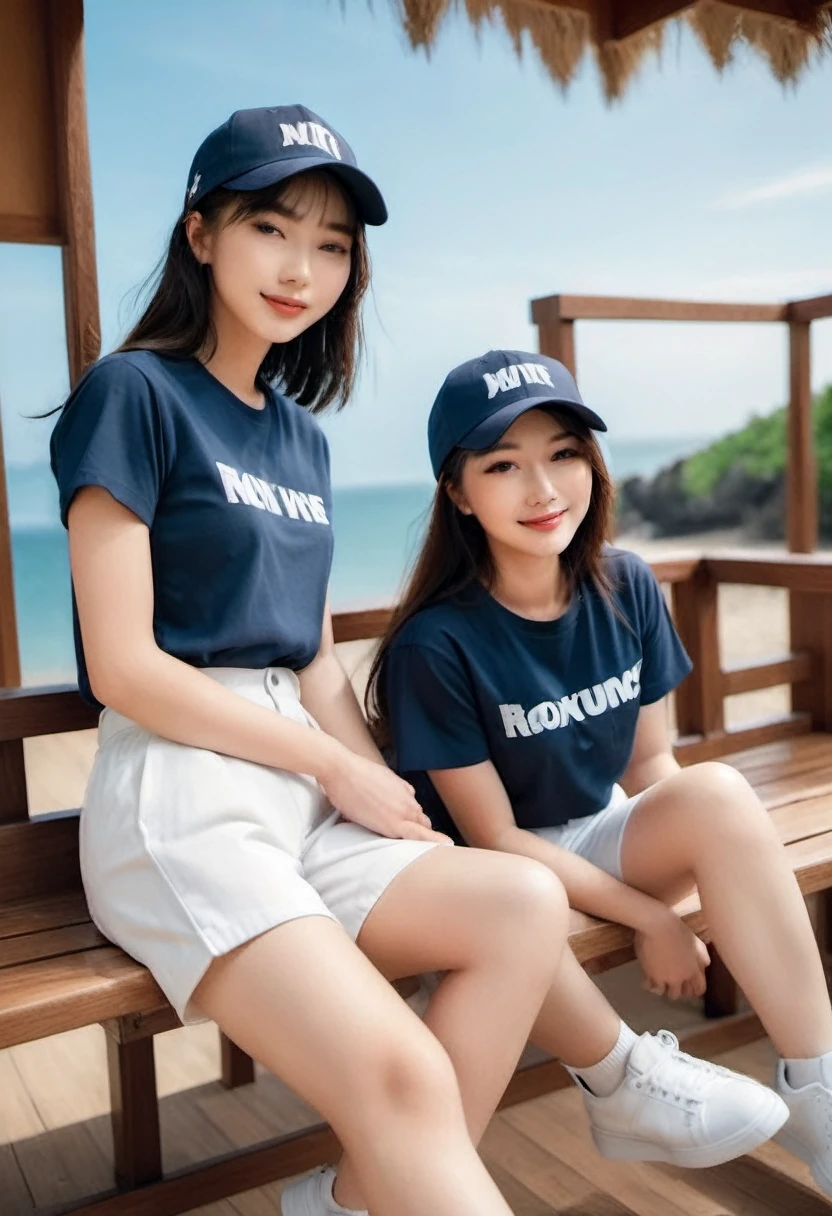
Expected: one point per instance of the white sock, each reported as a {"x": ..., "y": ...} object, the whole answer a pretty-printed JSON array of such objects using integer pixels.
[
  {"x": 807, "y": 1072},
  {"x": 334, "y": 1208},
  {"x": 604, "y": 1078}
]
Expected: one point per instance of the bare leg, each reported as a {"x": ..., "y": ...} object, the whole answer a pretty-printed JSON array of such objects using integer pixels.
[
  {"x": 305, "y": 1002},
  {"x": 497, "y": 925},
  {"x": 705, "y": 826}
]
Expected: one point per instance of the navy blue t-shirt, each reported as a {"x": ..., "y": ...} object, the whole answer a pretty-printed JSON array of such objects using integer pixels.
[
  {"x": 553, "y": 704},
  {"x": 237, "y": 501}
]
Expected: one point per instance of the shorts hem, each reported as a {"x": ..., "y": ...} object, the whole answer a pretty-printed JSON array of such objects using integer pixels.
[{"x": 354, "y": 922}]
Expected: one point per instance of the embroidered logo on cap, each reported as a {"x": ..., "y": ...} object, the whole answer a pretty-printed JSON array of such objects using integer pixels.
[
  {"x": 509, "y": 377},
  {"x": 194, "y": 184},
  {"x": 310, "y": 134}
]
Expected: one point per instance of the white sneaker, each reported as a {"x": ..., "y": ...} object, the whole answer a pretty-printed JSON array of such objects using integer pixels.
[
  {"x": 808, "y": 1133},
  {"x": 675, "y": 1108},
  {"x": 312, "y": 1196}
]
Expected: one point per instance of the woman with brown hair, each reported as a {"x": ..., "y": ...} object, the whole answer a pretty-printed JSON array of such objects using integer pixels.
[{"x": 522, "y": 690}]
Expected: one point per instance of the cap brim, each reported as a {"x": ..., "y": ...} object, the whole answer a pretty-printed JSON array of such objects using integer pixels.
[
  {"x": 369, "y": 203},
  {"x": 487, "y": 433}
]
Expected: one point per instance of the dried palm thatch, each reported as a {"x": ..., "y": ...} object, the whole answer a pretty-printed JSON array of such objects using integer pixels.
[{"x": 788, "y": 34}]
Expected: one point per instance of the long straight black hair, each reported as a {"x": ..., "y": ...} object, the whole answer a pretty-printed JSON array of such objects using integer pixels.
[
  {"x": 318, "y": 367},
  {"x": 455, "y": 555}
]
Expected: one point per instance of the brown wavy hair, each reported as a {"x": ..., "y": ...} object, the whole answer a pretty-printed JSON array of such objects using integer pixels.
[
  {"x": 318, "y": 367},
  {"x": 455, "y": 554}
]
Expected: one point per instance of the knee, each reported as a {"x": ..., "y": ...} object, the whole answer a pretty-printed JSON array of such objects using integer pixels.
[
  {"x": 722, "y": 801},
  {"x": 531, "y": 900},
  {"x": 409, "y": 1076}
]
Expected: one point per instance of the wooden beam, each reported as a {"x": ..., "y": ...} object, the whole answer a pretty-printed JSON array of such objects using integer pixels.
[
  {"x": 555, "y": 332},
  {"x": 9, "y": 650},
  {"x": 620, "y": 308},
  {"x": 784, "y": 669},
  {"x": 66, "y": 48},
  {"x": 630, "y": 16},
  {"x": 134, "y": 1112},
  {"x": 801, "y": 470},
  {"x": 692, "y": 750},
  {"x": 51, "y": 710},
  {"x": 30, "y": 230},
  {"x": 811, "y": 310},
  {"x": 797, "y": 571},
  {"x": 810, "y": 624},
  {"x": 357, "y": 626}
]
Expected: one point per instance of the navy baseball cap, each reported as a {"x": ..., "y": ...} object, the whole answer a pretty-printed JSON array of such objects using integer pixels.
[
  {"x": 257, "y": 148},
  {"x": 481, "y": 398}
]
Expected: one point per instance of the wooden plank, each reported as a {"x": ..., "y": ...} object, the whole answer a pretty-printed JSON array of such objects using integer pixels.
[
  {"x": 693, "y": 750},
  {"x": 767, "y": 673},
  {"x": 48, "y": 997},
  {"x": 801, "y": 466},
  {"x": 134, "y": 1026},
  {"x": 134, "y": 1104},
  {"x": 675, "y": 569},
  {"x": 810, "y": 310},
  {"x": 43, "y": 913},
  {"x": 240, "y": 1171},
  {"x": 65, "y": 24},
  {"x": 356, "y": 626},
  {"x": 39, "y": 857},
  {"x": 699, "y": 697},
  {"x": 796, "y": 571},
  {"x": 621, "y": 308},
  {"x": 50, "y": 710},
  {"x": 54, "y": 943}
]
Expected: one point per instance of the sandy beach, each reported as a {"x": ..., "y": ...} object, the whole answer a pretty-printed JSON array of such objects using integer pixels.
[{"x": 753, "y": 624}]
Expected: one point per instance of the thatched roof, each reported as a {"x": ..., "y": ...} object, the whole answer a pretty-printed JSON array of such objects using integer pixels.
[{"x": 788, "y": 34}]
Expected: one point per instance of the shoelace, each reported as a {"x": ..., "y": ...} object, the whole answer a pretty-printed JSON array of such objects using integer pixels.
[{"x": 697, "y": 1072}]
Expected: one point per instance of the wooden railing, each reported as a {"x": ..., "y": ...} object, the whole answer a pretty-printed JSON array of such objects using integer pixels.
[
  {"x": 694, "y": 583},
  {"x": 555, "y": 318}
]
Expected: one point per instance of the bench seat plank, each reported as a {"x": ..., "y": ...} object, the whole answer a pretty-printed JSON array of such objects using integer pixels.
[{"x": 53, "y": 995}]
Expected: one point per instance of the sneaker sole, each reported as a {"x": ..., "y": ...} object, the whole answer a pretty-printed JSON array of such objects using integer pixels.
[
  {"x": 790, "y": 1142},
  {"x": 629, "y": 1148}
]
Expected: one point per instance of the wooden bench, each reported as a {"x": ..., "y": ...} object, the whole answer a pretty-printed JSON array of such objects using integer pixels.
[{"x": 57, "y": 973}]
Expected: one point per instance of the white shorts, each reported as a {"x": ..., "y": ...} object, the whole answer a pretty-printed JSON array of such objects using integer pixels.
[
  {"x": 186, "y": 853},
  {"x": 598, "y": 837}
]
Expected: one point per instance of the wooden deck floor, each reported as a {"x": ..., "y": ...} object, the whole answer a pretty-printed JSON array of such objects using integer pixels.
[{"x": 55, "y": 1135}]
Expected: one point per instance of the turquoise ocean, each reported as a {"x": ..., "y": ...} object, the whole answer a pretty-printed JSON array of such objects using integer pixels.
[{"x": 377, "y": 530}]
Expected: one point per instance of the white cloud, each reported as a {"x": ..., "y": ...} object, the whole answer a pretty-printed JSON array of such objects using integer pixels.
[{"x": 803, "y": 183}]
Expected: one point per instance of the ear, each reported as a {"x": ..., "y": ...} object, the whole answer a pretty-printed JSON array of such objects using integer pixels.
[
  {"x": 458, "y": 498},
  {"x": 200, "y": 237}
]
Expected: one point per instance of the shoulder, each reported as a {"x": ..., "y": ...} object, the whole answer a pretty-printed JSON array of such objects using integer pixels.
[
  {"x": 440, "y": 627},
  {"x": 630, "y": 576}
]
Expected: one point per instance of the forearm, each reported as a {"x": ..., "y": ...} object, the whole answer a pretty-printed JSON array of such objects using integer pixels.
[
  {"x": 588, "y": 888},
  {"x": 642, "y": 775},
  {"x": 328, "y": 695},
  {"x": 176, "y": 701}
]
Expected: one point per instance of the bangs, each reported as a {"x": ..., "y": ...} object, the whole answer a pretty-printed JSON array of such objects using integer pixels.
[{"x": 313, "y": 193}]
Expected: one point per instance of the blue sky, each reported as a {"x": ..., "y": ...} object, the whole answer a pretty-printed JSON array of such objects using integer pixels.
[{"x": 500, "y": 188}]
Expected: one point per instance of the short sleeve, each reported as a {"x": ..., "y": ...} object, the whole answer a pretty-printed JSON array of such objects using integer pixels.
[
  {"x": 433, "y": 714},
  {"x": 665, "y": 662},
  {"x": 110, "y": 435}
]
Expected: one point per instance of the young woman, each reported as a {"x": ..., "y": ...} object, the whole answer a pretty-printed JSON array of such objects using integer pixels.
[
  {"x": 240, "y": 830},
  {"x": 522, "y": 686}
]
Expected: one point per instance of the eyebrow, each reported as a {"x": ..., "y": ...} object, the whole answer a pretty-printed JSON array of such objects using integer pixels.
[
  {"x": 506, "y": 446},
  {"x": 290, "y": 214}
]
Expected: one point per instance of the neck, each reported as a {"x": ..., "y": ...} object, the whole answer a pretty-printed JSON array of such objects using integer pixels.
[
  {"x": 237, "y": 357},
  {"x": 533, "y": 587}
]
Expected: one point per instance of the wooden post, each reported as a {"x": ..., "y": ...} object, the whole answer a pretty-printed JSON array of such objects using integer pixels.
[
  {"x": 14, "y": 803},
  {"x": 237, "y": 1068},
  {"x": 134, "y": 1111},
  {"x": 699, "y": 711},
  {"x": 66, "y": 50},
  {"x": 555, "y": 334},
  {"x": 801, "y": 471},
  {"x": 699, "y": 708}
]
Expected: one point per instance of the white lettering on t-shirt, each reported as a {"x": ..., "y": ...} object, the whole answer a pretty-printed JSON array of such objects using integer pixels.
[
  {"x": 266, "y": 496},
  {"x": 588, "y": 702}
]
